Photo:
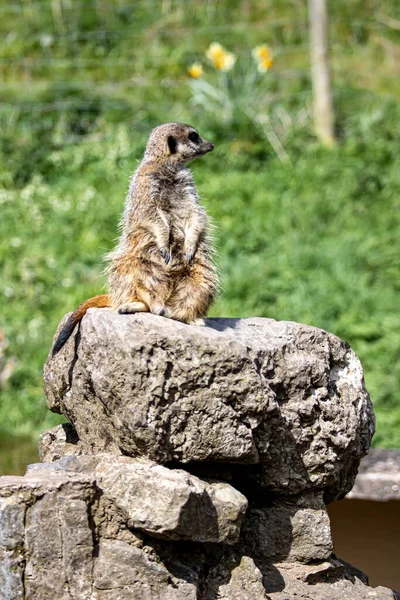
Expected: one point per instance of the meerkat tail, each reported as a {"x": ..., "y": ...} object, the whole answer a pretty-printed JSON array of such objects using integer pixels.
[{"x": 101, "y": 301}]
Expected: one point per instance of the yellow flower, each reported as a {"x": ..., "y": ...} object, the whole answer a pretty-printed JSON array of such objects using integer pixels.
[
  {"x": 215, "y": 51},
  {"x": 220, "y": 58},
  {"x": 264, "y": 65},
  {"x": 263, "y": 56},
  {"x": 196, "y": 70},
  {"x": 228, "y": 61},
  {"x": 261, "y": 52}
]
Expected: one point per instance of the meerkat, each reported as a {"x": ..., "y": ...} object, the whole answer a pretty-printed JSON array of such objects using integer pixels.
[{"x": 162, "y": 262}]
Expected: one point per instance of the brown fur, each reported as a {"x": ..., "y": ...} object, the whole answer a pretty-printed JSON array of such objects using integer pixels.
[{"x": 163, "y": 260}]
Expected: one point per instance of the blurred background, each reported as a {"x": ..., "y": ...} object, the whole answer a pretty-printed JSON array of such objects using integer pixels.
[{"x": 307, "y": 227}]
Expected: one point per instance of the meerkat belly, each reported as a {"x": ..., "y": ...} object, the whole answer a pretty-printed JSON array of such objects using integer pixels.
[
  {"x": 180, "y": 230},
  {"x": 177, "y": 238},
  {"x": 185, "y": 214}
]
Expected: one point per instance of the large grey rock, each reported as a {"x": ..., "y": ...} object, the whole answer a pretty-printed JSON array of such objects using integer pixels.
[
  {"x": 286, "y": 397},
  {"x": 174, "y": 432},
  {"x": 171, "y": 504}
]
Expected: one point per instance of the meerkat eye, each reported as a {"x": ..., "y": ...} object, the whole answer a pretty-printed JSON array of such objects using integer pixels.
[{"x": 194, "y": 137}]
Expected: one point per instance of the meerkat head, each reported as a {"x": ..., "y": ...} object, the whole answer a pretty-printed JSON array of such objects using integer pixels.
[{"x": 176, "y": 143}]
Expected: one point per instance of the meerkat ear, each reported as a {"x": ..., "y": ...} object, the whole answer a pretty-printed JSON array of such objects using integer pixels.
[{"x": 172, "y": 144}]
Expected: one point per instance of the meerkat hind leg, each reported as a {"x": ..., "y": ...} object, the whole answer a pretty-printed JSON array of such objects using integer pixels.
[
  {"x": 132, "y": 307},
  {"x": 191, "y": 297}
]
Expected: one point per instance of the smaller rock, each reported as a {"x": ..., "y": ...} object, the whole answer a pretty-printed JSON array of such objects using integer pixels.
[
  {"x": 288, "y": 585},
  {"x": 318, "y": 572},
  {"x": 167, "y": 503},
  {"x": 172, "y": 503},
  {"x": 59, "y": 441},
  {"x": 12, "y": 514},
  {"x": 236, "y": 579},
  {"x": 11, "y": 575},
  {"x": 291, "y": 529},
  {"x": 46, "y": 544},
  {"x": 123, "y": 572}
]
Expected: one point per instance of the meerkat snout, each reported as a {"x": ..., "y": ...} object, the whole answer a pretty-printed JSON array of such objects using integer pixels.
[{"x": 209, "y": 146}]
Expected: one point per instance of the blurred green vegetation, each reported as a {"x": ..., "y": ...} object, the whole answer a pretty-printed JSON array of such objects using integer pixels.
[{"x": 314, "y": 240}]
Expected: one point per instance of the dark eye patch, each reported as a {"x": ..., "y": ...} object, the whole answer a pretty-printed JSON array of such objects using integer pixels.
[
  {"x": 194, "y": 137},
  {"x": 172, "y": 144}
]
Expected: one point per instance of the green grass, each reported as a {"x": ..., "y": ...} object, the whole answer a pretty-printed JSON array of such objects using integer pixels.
[{"x": 314, "y": 240}]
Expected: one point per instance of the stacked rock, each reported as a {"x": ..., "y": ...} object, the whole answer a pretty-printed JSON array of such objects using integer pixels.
[{"x": 196, "y": 464}]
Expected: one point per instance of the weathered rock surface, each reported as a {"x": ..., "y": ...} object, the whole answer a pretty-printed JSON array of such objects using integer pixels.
[
  {"x": 58, "y": 442},
  {"x": 286, "y": 397},
  {"x": 62, "y": 538},
  {"x": 170, "y": 504},
  {"x": 124, "y": 572},
  {"x": 46, "y": 543},
  {"x": 50, "y": 546},
  {"x": 196, "y": 465},
  {"x": 295, "y": 529},
  {"x": 286, "y": 582}
]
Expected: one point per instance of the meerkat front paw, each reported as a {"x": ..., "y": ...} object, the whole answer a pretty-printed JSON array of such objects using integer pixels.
[
  {"x": 166, "y": 254},
  {"x": 190, "y": 251},
  {"x": 132, "y": 307}
]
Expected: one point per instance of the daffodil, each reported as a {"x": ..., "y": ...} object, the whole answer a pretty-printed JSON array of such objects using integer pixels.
[
  {"x": 263, "y": 56},
  {"x": 264, "y": 65},
  {"x": 196, "y": 70},
  {"x": 220, "y": 58},
  {"x": 227, "y": 62},
  {"x": 215, "y": 51},
  {"x": 261, "y": 52}
]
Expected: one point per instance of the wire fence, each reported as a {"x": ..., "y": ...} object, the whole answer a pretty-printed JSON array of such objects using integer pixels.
[{"x": 49, "y": 45}]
